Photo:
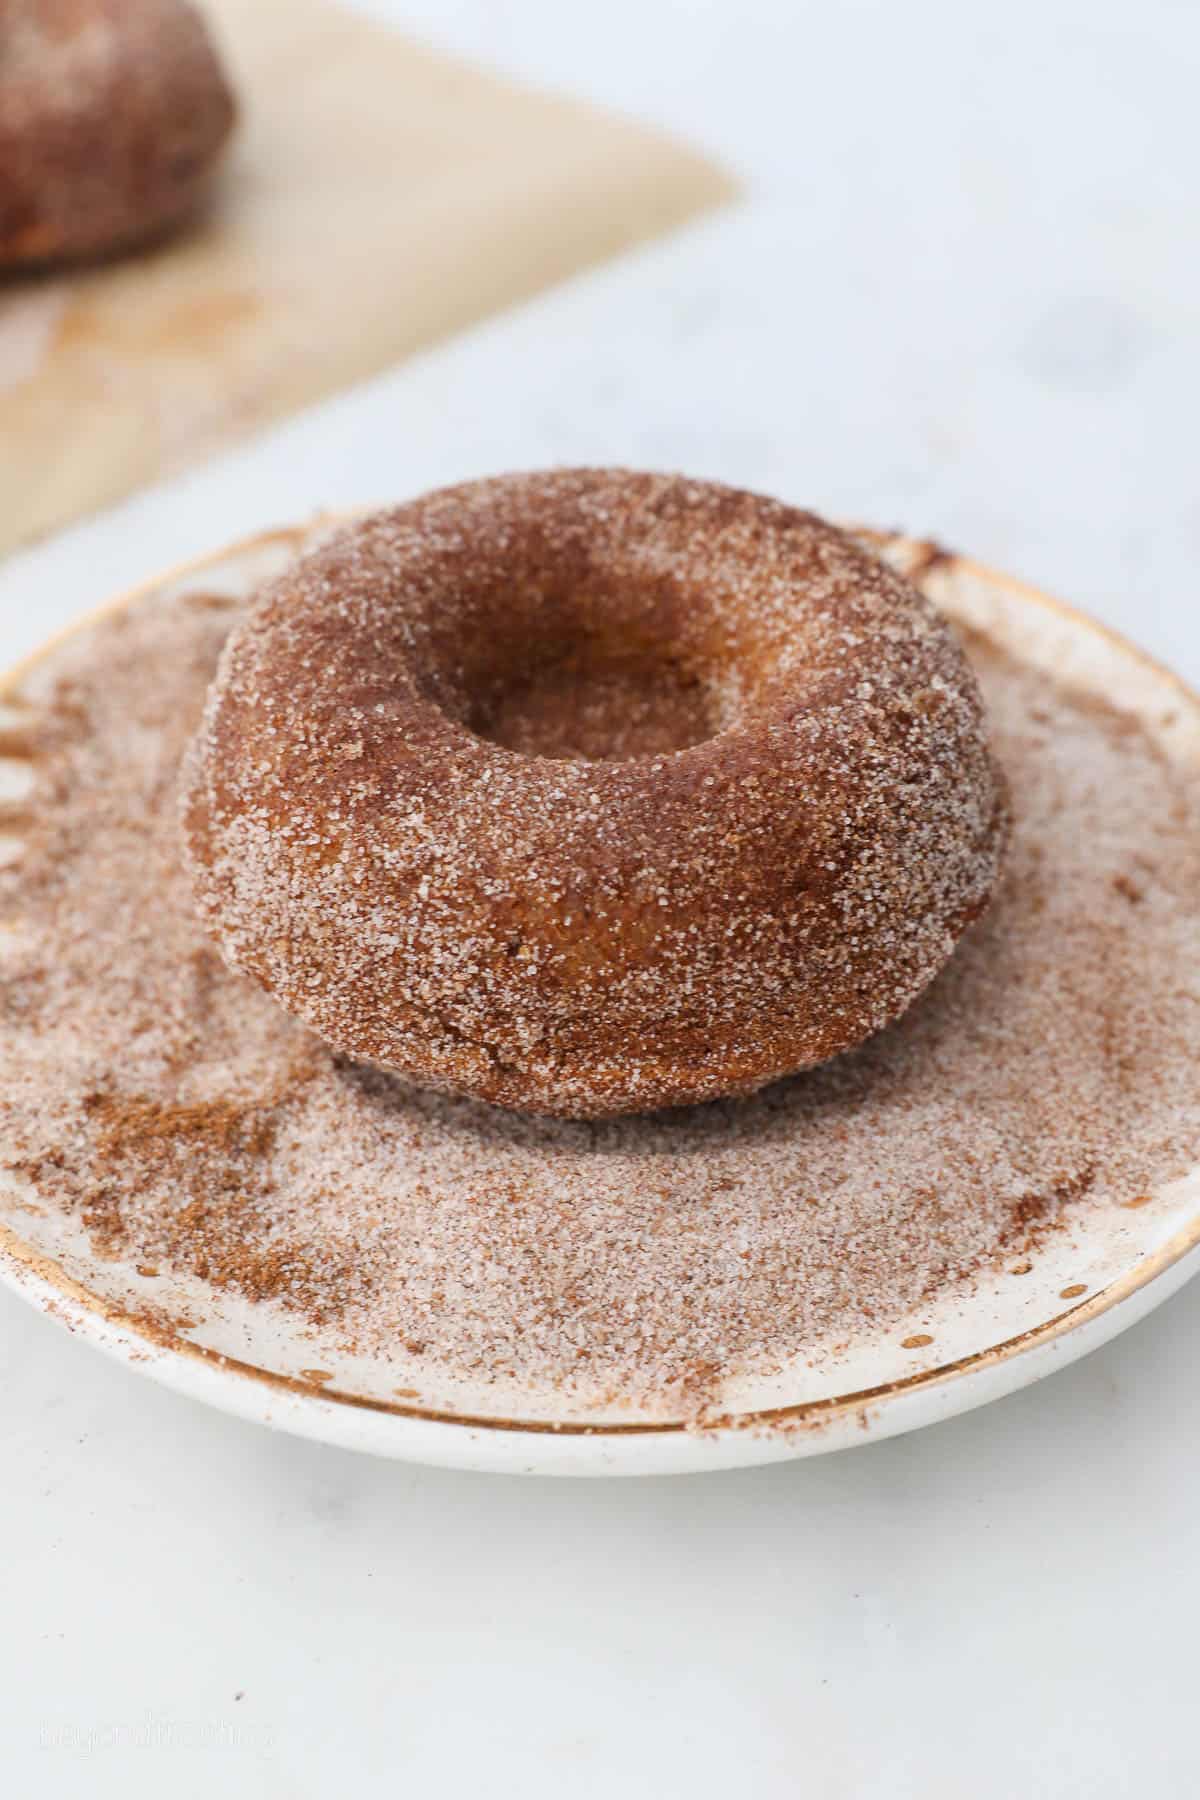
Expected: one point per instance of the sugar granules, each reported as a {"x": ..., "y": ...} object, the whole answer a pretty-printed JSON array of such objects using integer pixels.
[{"x": 191, "y": 1124}]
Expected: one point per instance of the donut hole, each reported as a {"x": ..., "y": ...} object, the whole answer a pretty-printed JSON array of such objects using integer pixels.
[{"x": 594, "y": 701}]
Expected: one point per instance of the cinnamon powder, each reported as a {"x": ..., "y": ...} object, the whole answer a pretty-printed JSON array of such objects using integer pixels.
[{"x": 194, "y": 1126}]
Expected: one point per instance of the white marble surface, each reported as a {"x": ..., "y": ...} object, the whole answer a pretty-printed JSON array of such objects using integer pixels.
[{"x": 964, "y": 299}]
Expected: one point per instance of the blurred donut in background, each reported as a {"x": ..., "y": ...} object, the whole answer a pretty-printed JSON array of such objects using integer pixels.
[{"x": 113, "y": 116}]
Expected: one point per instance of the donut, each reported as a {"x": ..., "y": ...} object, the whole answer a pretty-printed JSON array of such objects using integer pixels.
[
  {"x": 393, "y": 824},
  {"x": 113, "y": 114}
]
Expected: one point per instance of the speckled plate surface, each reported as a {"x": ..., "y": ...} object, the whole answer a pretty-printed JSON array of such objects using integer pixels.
[{"x": 1110, "y": 1266}]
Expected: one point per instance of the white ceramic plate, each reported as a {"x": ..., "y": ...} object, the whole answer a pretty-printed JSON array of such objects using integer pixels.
[{"x": 1087, "y": 1283}]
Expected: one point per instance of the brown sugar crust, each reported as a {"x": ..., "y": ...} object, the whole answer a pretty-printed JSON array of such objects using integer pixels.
[
  {"x": 392, "y": 826},
  {"x": 113, "y": 114}
]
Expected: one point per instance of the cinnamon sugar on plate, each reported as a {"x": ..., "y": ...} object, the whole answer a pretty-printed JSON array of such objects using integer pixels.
[{"x": 193, "y": 1127}]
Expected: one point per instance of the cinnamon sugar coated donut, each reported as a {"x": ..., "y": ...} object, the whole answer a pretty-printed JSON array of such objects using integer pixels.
[
  {"x": 113, "y": 114},
  {"x": 592, "y": 792}
]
